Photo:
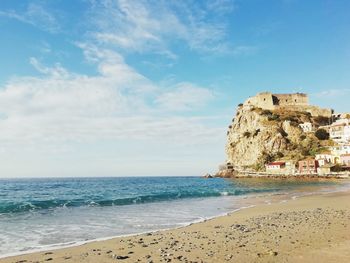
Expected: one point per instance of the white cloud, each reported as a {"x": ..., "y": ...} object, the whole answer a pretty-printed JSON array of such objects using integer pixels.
[
  {"x": 35, "y": 15},
  {"x": 153, "y": 26},
  {"x": 118, "y": 103},
  {"x": 221, "y": 6},
  {"x": 59, "y": 109},
  {"x": 184, "y": 96},
  {"x": 56, "y": 72},
  {"x": 336, "y": 98},
  {"x": 332, "y": 93}
]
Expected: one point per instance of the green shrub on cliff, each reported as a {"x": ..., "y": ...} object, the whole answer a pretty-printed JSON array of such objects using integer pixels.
[
  {"x": 247, "y": 134},
  {"x": 321, "y": 120},
  {"x": 266, "y": 112},
  {"x": 274, "y": 117},
  {"x": 322, "y": 134}
]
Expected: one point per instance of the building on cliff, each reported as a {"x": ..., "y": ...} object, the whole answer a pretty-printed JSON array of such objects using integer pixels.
[
  {"x": 293, "y": 101},
  {"x": 340, "y": 131}
]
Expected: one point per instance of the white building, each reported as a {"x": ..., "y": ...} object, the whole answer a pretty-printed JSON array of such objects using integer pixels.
[
  {"x": 281, "y": 167},
  {"x": 347, "y": 133},
  {"x": 338, "y": 151},
  {"x": 307, "y": 127},
  {"x": 275, "y": 167},
  {"x": 340, "y": 131}
]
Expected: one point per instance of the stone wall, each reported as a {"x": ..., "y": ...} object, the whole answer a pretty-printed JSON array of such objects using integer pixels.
[
  {"x": 262, "y": 100},
  {"x": 295, "y": 102},
  {"x": 290, "y": 99}
]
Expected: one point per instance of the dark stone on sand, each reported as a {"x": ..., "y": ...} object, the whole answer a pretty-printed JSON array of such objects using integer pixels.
[{"x": 120, "y": 257}]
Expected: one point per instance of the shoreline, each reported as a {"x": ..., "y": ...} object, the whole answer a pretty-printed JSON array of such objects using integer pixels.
[
  {"x": 73, "y": 244},
  {"x": 84, "y": 246},
  {"x": 252, "y": 174},
  {"x": 59, "y": 246},
  {"x": 237, "y": 202}
]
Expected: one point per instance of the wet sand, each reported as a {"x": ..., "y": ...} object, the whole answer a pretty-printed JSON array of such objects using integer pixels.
[{"x": 309, "y": 229}]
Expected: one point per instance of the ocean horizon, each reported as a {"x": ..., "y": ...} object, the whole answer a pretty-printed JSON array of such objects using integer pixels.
[{"x": 49, "y": 212}]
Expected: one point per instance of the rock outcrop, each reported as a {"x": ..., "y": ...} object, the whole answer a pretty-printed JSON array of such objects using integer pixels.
[{"x": 257, "y": 136}]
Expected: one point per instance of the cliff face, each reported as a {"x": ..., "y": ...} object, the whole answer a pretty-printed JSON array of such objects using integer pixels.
[{"x": 258, "y": 136}]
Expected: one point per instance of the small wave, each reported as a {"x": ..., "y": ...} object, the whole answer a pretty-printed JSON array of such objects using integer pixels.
[{"x": 36, "y": 205}]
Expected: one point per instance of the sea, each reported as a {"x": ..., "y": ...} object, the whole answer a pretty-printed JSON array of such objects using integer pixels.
[{"x": 41, "y": 214}]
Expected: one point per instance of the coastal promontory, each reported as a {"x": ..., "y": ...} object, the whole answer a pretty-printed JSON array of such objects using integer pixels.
[{"x": 271, "y": 127}]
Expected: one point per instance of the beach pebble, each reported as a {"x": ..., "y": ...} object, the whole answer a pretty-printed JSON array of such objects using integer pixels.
[{"x": 120, "y": 257}]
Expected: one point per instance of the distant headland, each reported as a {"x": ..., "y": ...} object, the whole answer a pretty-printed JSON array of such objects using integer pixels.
[{"x": 283, "y": 135}]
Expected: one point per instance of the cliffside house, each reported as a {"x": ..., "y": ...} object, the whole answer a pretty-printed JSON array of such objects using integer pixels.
[
  {"x": 338, "y": 116},
  {"x": 307, "y": 127},
  {"x": 275, "y": 167},
  {"x": 345, "y": 159},
  {"x": 308, "y": 166},
  {"x": 338, "y": 151},
  {"x": 340, "y": 131}
]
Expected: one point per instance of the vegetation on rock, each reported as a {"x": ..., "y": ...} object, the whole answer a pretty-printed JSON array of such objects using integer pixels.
[
  {"x": 322, "y": 134},
  {"x": 258, "y": 136}
]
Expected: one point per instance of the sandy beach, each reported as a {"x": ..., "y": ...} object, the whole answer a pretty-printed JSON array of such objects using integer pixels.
[{"x": 313, "y": 228}]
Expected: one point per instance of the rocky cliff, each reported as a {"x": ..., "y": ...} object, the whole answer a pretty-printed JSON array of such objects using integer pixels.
[{"x": 258, "y": 136}]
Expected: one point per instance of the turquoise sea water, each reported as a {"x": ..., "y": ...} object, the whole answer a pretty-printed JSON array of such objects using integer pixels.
[{"x": 37, "y": 213}]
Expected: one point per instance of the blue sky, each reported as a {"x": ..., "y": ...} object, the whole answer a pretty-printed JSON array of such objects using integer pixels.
[{"x": 121, "y": 88}]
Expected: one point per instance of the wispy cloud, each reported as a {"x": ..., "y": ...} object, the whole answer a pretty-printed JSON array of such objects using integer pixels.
[
  {"x": 154, "y": 26},
  {"x": 35, "y": 15},
  {"x": 184, "y": 96},
  {"x": 332, "y": 93},
  {"x": 56, "y": 72},
  {"x": 61, "y": 106},
  {"x": 59, "y": 109},
  {"x": 336, "y": 98},
  {"x": 221, "y": 6}
]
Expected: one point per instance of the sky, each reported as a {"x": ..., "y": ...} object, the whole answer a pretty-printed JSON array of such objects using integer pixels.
[{"x": 148, "y": 88}]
